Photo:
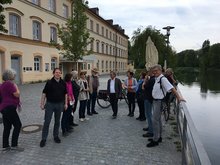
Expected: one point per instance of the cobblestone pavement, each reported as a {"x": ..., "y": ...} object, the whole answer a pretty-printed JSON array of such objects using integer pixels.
[{"x": 100, "y": 140}]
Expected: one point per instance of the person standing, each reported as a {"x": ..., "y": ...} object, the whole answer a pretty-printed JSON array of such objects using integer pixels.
[
  {"x": 114, "y": 90},
  {"x": 66, "y": 113},
  {"x": 53, "y": 100},
  {"x": 10, "y": 95},
  {"x": 131, "y": 84},
  {"x": 93, "y": 82},
  {"x": 148, "y": 99},
  {"x": 140, "y": 97},
  {"x": 83, "y": 96},
  {"x": 76, "y": 88},
  {"x": 159, "y": 89}
]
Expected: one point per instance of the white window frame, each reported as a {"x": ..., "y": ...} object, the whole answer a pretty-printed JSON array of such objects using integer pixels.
[
  {"x": 37, "y": 63},
  {"x": 14, "y": 24},
  {"x": 36, "y": 30},
  {"x": 53, "y": 34}
]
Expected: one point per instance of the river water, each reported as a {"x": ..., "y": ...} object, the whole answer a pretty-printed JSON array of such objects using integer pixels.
[{"x": 202, "y": 93}]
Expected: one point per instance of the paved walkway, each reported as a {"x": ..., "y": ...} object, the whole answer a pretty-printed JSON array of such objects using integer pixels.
[{"x": 101, "y": 140}]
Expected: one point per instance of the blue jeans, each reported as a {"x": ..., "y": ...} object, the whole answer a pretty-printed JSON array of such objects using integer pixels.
[
  {"x": 51, "y": 108},
  {"x": 148, "y": 114}
]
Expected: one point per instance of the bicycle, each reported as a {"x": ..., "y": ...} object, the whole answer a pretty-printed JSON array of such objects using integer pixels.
[
  {"x": 166, "y": 106},
  {"x": 103, "y": 99}
]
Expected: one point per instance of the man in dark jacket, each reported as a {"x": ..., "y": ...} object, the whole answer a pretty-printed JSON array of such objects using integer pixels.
[{"x": 114, "y": 89}]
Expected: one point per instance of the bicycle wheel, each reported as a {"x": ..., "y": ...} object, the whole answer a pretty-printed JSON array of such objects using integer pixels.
[{"x": 103, "y": 103}]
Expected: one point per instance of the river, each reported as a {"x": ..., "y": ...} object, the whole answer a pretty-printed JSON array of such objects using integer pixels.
[{"x": 202, "y": 93}]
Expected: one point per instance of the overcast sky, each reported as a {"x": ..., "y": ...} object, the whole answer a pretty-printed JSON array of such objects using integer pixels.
[{"x": 194, "y": 20}]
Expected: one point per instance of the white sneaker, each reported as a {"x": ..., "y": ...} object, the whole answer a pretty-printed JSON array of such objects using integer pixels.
[
  {"x": 81, "y": 119},
  {"x": 86, "y": 118}
]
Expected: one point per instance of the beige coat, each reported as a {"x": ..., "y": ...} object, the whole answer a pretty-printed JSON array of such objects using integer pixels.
[{"x": 83, "y": 95}]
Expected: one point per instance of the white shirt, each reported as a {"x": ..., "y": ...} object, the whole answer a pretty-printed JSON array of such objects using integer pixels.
[
  {"x": 157, "y": 92},
  {"x": 112, "y": 86}
]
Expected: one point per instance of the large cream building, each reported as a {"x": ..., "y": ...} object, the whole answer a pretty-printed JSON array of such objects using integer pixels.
[{"x": 31, "y": 26}]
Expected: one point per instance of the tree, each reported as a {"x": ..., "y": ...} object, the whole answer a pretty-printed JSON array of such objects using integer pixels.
[
  {"x": 138, "y": 48},
  {"x": 2, "y": 17},
  {"x": 74, "y": 35}
]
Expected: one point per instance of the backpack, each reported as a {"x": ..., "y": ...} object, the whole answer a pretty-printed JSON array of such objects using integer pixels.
[{"x": 167, "y": 94}]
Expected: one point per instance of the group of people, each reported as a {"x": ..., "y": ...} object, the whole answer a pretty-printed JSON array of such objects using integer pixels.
[
  {"x": 149, "y": 91},
  {"x": 60, "y": 97}
]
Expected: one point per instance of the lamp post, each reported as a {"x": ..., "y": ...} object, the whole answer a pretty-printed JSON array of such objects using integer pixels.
[{"x": 167, "y": 28}]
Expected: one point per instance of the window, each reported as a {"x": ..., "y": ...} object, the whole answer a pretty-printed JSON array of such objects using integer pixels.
[
  {"x": 106, "y": 33},
  {"x": 103, "y": 48},
  {"x": 97, "y": 47},
  {"x": 97, "y": 28},
  {"x": 110, "y": 33},
  {"x": 91, "y": 25},
  {"x": 36, "y": 30},
  {"x": 53, "y": 34},
  {"x": 102, "y": 31},
  {"x": 52, "y": 5},
  {"x": 106, "y": 49},
  {"x": 36, "y": 2},
  {"x": 65, "y": 11},
  {"x": 91, "y": 45},
  {"x": 53, "y": 63},
  {"x": 14, "y": 25},
  {"x": 106, "y": 66},
  {"x": 97, "y": 65},
  {"x": 88, "y": 66},
  {"x": 102, "y": 66},
  {"x": 37, "y": 63},
  {"x": 110, "y": 50},
  {"x": 47, "y": 67},
  {"x": 110, "y": 65}
]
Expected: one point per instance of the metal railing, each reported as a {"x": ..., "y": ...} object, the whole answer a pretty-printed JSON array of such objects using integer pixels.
[{"x": 193, "y": 151}]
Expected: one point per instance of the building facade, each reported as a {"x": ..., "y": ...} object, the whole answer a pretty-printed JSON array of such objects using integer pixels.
[{"x": 31, "y": 27}]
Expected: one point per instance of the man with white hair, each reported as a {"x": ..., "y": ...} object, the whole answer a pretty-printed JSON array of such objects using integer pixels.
[{"x": 160, "y": 88}]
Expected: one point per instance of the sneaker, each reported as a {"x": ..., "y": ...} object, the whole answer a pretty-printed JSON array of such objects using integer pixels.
[
  {"x": 94, "y": 112},
  {"x": 57, "y": 140},
  {"x": 90, "y": 114},
  {"x": 148, "y": 134},
  {"x": 159, "y": 140},
  {"x": 152, "y": 144},
  {"x": 16, "y": 148},
  {"x": 145, "y": 129},
  {"x": 81, "y": 119},
  {"x": 74, "y": 125},
  {"x": 65, "y": 134},
  {"x": 6, "y": 149},
  {"x": 86, "y": 118},
  {"x": 114, "y": 117},
  {"x": 42, "y": 143}
]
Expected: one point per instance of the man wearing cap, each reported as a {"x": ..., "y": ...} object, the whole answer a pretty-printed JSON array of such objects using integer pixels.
[{"x": 93, "y": 82}]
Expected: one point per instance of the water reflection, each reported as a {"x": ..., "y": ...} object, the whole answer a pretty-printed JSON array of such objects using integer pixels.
[
  {"x": 202, "y": 93},
  {"x": 207, "y": 80}
]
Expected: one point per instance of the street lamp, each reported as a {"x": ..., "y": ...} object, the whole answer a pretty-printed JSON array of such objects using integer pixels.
[{"x": 167, "y": 28}]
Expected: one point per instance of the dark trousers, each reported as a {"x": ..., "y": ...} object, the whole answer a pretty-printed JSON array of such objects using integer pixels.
[
  {"x": 65, "y": 118},
  {"x": 114, "y": 103},
  {"x": 140, "y": 103},
  {"x": 51, "y": 108},
  {"x": 82, "y": 108},
  {"x": 92, "y": 101},
  {"x": 131, "y": 102},
  {"x": 10, "y": 117}
]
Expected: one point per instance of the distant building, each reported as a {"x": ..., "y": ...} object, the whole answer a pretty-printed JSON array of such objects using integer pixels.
[{"x": 31, "y": 26}]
